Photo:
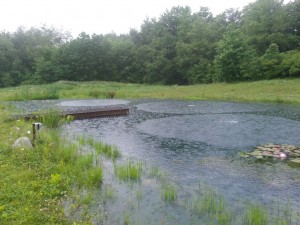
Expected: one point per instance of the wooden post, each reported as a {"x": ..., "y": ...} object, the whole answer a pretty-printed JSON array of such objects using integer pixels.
[
  {"x": 33, "y": 133},
  {"x": 35, "y": 128}
]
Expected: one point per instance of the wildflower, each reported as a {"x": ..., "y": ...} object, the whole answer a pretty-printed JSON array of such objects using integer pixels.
[
  {"x": 282, "y": 155},
  {"x": 28, "y": 132}
]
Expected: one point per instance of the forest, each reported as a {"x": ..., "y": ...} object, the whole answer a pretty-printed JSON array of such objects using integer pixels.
[{"x": 181, "y": 47}]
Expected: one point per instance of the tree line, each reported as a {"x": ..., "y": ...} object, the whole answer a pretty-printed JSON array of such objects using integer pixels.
[{"x": 261, "y": 41}]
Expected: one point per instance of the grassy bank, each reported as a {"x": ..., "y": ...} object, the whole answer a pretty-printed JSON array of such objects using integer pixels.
[
  {"x": 278, "y": 91},
  {"x": 42, "y": 185}
]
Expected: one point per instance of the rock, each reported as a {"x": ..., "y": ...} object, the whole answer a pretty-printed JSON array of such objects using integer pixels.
[{"x": 23, "y": 142}]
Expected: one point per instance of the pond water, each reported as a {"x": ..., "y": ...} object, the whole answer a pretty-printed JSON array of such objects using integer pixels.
[{"x": 197, "y": 143}]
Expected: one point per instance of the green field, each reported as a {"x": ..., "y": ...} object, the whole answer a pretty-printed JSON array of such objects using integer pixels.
[{"x": 278, "y": 91}]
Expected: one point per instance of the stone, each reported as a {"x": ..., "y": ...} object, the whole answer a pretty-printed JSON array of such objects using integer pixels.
[{"x": 23, "y": 142}]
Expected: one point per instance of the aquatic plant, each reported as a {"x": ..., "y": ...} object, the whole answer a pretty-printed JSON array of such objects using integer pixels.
[
  {"x": 168, "y": 192},
  {"x": 110, "y": 151},
  {"x": 108, "y": 192},
  {"x": 256, "y": 215},
  {"x": 212, "y": 206},
  {"x": 130, "y": 171}
]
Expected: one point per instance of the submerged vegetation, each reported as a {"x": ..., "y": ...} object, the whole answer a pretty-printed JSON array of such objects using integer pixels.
[{"x": 129, "y": 171}]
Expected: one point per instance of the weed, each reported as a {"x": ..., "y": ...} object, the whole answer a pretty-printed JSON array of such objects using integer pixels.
[
  {"x": 109, "y": 151},
  {"x": 168, "y": 192},
  {"x": 52, "y": 118},
  {"x": 108, "y": 192},
  {"x": 256, "y": 215},
  {"x": 129, "y": 171}
]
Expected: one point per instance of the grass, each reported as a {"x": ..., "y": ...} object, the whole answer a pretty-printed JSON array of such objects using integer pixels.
[
  {"x": 276, "y": 91},
  {"x": 109, "y": 151},
  {"x": 212, "y": 206},
  {"x": 35, "y": 183},
  {"x": 168, "y": 192},
  {"x": 129, "y": 171},
  {"x": 256, "y": 215}
]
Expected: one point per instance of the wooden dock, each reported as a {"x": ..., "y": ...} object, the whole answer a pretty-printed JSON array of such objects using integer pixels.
[
  {"x": 82, "y": 114},
  {"x": 79, "y": 115}
]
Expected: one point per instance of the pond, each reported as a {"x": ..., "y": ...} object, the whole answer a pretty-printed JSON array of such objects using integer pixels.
[{"x": 196, "y": 144}]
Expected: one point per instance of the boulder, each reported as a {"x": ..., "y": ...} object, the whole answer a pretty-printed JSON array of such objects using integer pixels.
[{"x": 23, "y": 142}]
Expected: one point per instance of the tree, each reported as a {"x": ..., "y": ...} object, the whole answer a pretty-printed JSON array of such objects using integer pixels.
[
  {"x": 236, "y": 60},
  {"x": 271, "y": 63}
]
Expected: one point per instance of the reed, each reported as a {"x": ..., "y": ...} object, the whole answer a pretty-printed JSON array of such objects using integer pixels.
[
  {"x": 168, "y": 192},
  {"x": 130, "y": 171},
  {"x": 52, "y": 118},
  {"x": 109, "y": 151},
  {"x": 256, "y": 215}
]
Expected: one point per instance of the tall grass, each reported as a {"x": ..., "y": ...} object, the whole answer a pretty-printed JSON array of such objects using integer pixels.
[
  {"x": 212, "y": 206},
  {"x": 129, "y": 171},
  {"x": 109, "y": 151},
  {"x": 168, "y": 192},
  {"x": 256, "y": 215},
  {"x": 52, "y": 118},
  {"x": 277, "y": 91},
  {"x": 35, "y": 93},
  {"x": 34, "y": 183}
]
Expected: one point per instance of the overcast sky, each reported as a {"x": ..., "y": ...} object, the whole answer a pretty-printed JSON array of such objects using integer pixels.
[{"x": 96, "y": 16}]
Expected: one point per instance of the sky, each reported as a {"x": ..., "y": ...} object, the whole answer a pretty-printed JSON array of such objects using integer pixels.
[{"x": 96, "y": 16}]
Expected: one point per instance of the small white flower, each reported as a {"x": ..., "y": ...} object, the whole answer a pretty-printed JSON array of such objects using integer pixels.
[
  {"x": 18, "y": 128},
  {"x": 28, "y": 132},
  {"x": 282, "y": 155}
]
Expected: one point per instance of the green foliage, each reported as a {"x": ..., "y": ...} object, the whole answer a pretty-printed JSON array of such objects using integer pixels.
[
  {"x": 109, "y": 151},
  {"x": 168, "y": 192},
  {"x": 291, "y": 63},
  {"x": 52, "y": 118},
  {"x": 129, "y": 171},
  {"x": 212, "y": 206},
  {"x": 236, "y": 59},
  {"x": 36, "y": 182},
  {"x": 256, "y": 215},
  {"x": 26, "y": 93},
  {"x": 271, "y": 62},
  {"x": 179, "y": 47}
]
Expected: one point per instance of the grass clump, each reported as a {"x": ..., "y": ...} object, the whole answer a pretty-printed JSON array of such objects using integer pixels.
[
  {"x": 110, "y": 151},
  {"x": 52, "y": 118},
  {"x": 212, "y": 206},
  {"x": 129, "y": 171},
  {"x": 25, "y": 93},
  {"x": 168, "y": 192},
  {"x": 256, "y": 215}
]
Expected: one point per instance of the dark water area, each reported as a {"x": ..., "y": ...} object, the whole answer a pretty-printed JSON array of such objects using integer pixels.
[{"x": 198, "y": 142}]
